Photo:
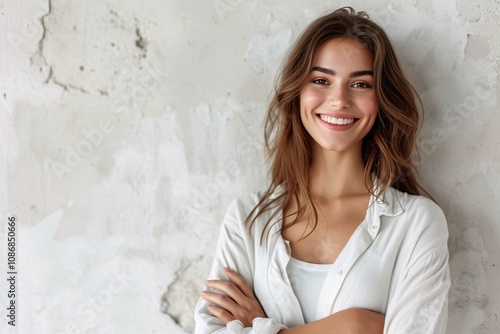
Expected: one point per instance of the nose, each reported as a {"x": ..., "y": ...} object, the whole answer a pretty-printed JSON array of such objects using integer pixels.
[{"x": 339, "y": 97}]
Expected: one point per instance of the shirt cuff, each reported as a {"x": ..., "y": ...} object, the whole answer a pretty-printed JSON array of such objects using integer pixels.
[{"x": 259, "y": 325}]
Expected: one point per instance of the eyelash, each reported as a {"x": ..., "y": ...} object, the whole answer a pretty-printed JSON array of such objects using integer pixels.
[
  {"x": 323, "y": 81},
  {"x": 364, "y": 85},
  {"x": 355, "y": 85}
]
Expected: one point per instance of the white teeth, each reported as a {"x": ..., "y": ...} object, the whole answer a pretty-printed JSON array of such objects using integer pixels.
[{"x": 337, "y": 121}]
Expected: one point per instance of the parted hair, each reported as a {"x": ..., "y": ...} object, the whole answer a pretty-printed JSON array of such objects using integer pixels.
[{"x": 386, "y": 150}]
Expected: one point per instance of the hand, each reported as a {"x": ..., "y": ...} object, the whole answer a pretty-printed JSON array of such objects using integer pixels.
[{"x": 240, "y": 302}]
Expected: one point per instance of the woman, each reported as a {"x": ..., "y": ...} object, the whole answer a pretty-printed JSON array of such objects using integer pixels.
[{"x": 341, "y": 241}]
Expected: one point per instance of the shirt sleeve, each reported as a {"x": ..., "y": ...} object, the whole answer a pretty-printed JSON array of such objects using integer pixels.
[
  {"x": 235, "y": 250},
  {"x": 419, "y": 303}
]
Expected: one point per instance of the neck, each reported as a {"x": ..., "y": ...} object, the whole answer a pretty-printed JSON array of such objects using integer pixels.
[{"x": 337, "y": 174}]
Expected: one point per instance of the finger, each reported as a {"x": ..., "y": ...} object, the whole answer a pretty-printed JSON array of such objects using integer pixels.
[
  {"x": 239, "y": 282},
  {"x": 220, "y": 300},
  {"x": 220, "y": 313},
  {"x": 228, "y": 288}
]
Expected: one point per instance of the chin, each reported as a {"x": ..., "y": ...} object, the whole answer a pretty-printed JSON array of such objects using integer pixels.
[
  {"x": 339, "y": 147},
  {"x": 334, "y": 147}
]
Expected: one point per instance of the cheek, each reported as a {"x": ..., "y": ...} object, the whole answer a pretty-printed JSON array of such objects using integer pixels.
[
  {"x": 371, "y": 112},
  {"x": 310, "y": 99},
  {"x": 370, "y": 106}
]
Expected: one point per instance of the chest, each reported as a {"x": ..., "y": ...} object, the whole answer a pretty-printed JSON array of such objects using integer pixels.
[
  {"x": 360, "y": 276},
  {"x": 323, "y": 240}
]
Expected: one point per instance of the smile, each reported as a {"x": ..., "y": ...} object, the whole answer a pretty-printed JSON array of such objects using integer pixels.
[{"x": 337, "y": 121}]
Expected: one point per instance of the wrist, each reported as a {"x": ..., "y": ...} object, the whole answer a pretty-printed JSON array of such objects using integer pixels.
[
  {"x": 267, "y": 326},
  {"x": 259, "y": 325}
]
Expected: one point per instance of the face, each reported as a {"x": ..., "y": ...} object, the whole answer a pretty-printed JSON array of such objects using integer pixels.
[{"x": 338, "y": 104}]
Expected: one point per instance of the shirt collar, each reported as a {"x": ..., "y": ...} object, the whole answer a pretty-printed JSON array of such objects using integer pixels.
[{"x": 389, "y": 203}]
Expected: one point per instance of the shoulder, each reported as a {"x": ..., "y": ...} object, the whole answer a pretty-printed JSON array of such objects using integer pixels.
[
  {"x": 422, "y": 215},
  {"x": 242, "y": 206},
  {"x": 417, "y": 205}
]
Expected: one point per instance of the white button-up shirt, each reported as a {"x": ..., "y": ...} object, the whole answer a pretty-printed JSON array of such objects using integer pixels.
[{"x": 395, "y": 263}]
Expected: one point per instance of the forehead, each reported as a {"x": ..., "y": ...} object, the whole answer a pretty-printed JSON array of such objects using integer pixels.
[{"x": 343, "y": 52}]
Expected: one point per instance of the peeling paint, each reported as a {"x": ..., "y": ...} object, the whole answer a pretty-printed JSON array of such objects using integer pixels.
[{"x": 182, "y": 293}]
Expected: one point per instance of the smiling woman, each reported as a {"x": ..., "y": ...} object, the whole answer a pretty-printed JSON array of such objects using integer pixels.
[{"x": 341, "y": 241}]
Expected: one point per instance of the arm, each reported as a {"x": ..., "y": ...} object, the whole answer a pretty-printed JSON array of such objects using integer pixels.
[
  {"x": 349, "y": 321},
  {"x": 234, "y": 250},
  {"x": 215, "y": 312},
  {"x": 237, "y": 303},
  {"x": 419, "y": 303}
]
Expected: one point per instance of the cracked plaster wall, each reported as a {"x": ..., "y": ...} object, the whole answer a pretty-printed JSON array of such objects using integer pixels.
[{"x": 127, "y": 127}]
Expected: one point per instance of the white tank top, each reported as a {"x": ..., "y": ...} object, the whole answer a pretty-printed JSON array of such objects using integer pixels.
[{"x": 307, "y": 281}]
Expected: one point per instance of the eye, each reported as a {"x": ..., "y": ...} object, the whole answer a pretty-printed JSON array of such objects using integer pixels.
[
  {"x": 320, "y": 81},
  {"x": 361, "y": 85}
]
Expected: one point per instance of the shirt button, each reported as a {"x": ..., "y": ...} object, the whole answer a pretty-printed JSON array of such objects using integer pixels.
[
  {"x": 339, "y": 272},
  {"x": 374, "y": 227}
]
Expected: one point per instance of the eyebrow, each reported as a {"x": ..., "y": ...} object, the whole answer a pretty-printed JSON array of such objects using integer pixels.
[{"x": 351, "y": 75}]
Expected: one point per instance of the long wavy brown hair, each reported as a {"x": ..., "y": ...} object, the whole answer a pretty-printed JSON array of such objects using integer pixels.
[{"x": 387, "y": 148}]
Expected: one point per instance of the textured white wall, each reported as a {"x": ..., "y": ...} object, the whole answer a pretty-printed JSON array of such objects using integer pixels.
[{"x": 128, "y": 126}]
